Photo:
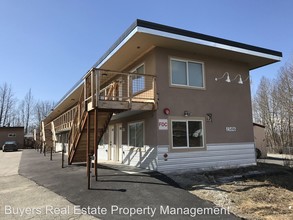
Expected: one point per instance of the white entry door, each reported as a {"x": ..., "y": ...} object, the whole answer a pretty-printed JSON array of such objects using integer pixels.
[
  {"x": 111, "y": 147},
  {"x": 118, "y": 141},
  {"x": 115, "y": 142}
]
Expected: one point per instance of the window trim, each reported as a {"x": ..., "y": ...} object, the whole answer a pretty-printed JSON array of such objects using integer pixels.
[
  {"x": 128, "y": 134},
  {"x": 144, "y": 71},
  {"x": 187, "y": 148},
  {"x": 186, "y": 61},
  {"x": 11, "y": 135}
]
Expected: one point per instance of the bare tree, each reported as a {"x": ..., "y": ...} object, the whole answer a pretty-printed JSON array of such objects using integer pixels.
[
  {"x": 28, "y": 112},
  {"x": 42, "y": 109},
  {"x": 26, "y": 108},
  {"x": 285, "y": 97},
  {"x": 6, "y": 104},
  {"x": 273, "y": 107}
]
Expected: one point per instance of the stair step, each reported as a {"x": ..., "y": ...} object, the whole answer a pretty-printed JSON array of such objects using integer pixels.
[{"x": 79, "y": 155}]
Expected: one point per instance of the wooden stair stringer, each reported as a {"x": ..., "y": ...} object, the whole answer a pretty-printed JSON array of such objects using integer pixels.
[{"x": 103, "y": 120}]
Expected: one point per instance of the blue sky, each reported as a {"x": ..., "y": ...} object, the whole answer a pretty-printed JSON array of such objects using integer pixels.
[{"x": 48, "y": 45}]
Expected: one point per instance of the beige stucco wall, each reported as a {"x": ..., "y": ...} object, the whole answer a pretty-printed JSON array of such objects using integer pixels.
[{"x": 229, "y": 103}]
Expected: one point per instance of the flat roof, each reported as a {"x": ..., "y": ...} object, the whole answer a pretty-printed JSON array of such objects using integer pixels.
[
  {"x": 258, "y": 125},
  {"x": 18, "y": 127},
  {"x": 147, "y": 34},
  {"x": 186, "y": 33}
]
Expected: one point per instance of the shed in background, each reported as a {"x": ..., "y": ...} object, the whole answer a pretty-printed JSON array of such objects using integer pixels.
[
  {"x": 260, "y": 139},
  {"x": 12, "y": 134}
]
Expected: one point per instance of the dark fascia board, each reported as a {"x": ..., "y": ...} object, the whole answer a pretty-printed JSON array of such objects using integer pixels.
[
  {"x": 178, "y": 31},
  {"x": 173, "y": 30},
  {"x": 18, "y": 127},
  {"x": 191, "y": 34},
  {"x": 117, "y": 42},
  {"x": 259, "y": 125},
  {"x": 121, "y": 38}
]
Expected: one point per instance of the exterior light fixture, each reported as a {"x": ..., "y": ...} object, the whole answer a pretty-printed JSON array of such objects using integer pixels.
[
  {"x": 209, "y": 117},
  {"x": 227, "y": 79},
  {"x": 240, "y": 81},
  {"x": 187, "y": 113},
  {"x": 246, "y": 79}
]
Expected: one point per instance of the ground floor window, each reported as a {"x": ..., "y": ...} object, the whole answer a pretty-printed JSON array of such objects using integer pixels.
[
  {"x": 187, "y": 133},
  {"x": 136, "y": 134}
]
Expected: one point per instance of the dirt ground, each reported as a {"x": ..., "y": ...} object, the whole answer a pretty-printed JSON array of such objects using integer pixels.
[{"x": 264, "y": 191}]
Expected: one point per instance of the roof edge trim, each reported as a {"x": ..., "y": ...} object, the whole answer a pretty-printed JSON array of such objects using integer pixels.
[
  {"x": 186, "y": 33},
  {"x": 209, "y": 43},
  {"x": 276, "y": 55}
]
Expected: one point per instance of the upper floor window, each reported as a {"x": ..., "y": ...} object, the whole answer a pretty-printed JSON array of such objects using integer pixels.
[
  {"x": 138, "y": 81},
  {"x": 187, "y": 73}
]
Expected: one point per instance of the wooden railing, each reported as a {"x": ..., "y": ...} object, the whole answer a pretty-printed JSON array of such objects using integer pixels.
[
  {"x": 77, "y": 124},
  {"x": 64, "y": 121},
  {"x": 100, "y": 86},
  {"x": 105, "y": 85}
]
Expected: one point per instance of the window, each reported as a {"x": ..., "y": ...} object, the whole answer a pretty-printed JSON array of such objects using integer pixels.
[
  {"x": 187, "y": 134},
  {"x": 11, "y": 135},
  {"x": 187, "y": 73},
  {"x": 135, "y": 134},
  {"x": 138, "y": 81}
]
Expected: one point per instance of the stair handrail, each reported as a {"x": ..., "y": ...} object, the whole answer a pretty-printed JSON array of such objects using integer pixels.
[{"x": 75, "y": 128}]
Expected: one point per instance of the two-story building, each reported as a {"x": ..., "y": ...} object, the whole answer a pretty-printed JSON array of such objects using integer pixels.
[{"x": 164, "y": 99}]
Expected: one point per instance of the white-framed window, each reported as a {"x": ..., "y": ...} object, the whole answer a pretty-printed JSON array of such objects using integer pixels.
[
  {"x": 187, "y": 133},
  {"x": 136, "y": 134},
  {"x": 187, "y": 73},
  {"x": 138, "y": 81}
]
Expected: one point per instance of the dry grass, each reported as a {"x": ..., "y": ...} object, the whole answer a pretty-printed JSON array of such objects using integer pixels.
[{"x": 259, "y": 192}]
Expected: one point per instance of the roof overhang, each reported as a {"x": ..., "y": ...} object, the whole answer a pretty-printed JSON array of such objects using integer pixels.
[{"x": 142, "y": 36}]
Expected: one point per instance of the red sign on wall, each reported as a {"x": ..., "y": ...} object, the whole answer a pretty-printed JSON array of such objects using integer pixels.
[{"x": 163, "y": 124}]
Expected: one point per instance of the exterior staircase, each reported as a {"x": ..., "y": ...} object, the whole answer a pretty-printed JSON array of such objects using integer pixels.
[
  {"x": 103, "y": 93},
  {"x": 78, "y": 145}
]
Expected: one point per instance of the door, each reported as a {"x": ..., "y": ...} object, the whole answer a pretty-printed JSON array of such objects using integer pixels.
[
  {"x": 111, "y": 147},
  {"x": 118, "y": 141},
  {"x": 115, "y": 143}
]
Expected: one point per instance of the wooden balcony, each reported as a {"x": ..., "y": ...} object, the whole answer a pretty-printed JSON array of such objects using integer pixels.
[
  {"x": 105, "y": 89},
  {"x": 110, "y": 91},
  {"x": 102, "y": 94}
]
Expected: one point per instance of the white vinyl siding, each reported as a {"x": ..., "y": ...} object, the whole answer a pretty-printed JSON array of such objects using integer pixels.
[
  {"x": 187, "y": 73},
  {"x": 216, "y": 156}
]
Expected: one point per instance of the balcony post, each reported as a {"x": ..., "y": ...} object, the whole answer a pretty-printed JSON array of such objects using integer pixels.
[
  {"x": 97, "y": 77},
  {"x": 155, "y": 93},
  {"x": 130, "y": 90},
  {"x": 84, "y": 96},
  {"x": 93, "y": 89}
]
